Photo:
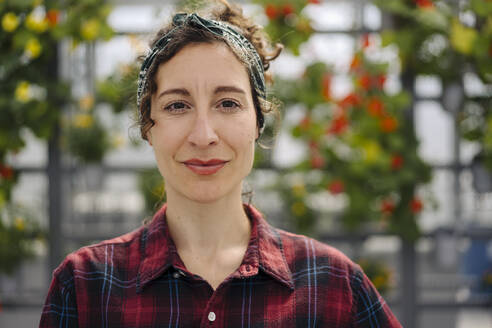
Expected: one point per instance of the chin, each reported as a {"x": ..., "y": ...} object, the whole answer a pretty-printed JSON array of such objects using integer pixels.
[{"x": 205, "y": 194}]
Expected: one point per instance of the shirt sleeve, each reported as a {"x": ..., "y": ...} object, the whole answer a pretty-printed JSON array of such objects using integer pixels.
[
  {"x": 60, "y": 308},
  {"x": 369, "y": 309}
]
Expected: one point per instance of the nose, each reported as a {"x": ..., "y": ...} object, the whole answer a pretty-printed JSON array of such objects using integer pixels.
[{"x": 203, "y": 132}]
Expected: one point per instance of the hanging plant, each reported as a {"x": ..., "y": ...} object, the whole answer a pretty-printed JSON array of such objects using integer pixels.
[
  {"x": 439, "y": 38},
  {"x": 31, "y": 93},
  {"x": 152, "y": 188},
  {"x": 432, "y": 39},
  {"x": 19, "y": 234},
  {"x": 287, "y": 24},
  {"x": 87, "y": 139},
  {"x": 361, "y": 147},
  {"x": 379, "y": 274}
]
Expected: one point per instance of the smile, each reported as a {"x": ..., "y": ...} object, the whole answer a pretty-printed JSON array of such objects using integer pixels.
[{"x": 205, "y": 167}]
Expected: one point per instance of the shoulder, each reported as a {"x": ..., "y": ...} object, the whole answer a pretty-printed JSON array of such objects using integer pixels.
[
  {"x": 117, "y": 252},
  {"x": 302, "y": 251}
]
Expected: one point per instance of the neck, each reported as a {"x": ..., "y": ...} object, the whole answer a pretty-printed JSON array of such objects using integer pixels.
[{"x": 207, "y": 228}]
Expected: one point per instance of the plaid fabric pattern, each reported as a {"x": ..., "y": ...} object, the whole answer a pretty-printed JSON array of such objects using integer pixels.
[{"x": 285, "y": 280}]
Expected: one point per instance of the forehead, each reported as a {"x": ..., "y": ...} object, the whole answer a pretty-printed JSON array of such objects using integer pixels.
[{"x": 203, "y": 62}]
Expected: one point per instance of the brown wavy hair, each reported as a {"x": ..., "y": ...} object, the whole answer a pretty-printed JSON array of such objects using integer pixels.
[{"x": 220, "y": 10}]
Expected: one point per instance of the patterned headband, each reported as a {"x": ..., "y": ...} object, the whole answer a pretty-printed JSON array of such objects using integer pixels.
[{"x": 243, "y": 48}]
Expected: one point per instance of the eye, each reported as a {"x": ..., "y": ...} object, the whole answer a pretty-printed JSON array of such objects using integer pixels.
[
  {"x": 176, "y": 107},
  {"x": 229, "y": 105}
]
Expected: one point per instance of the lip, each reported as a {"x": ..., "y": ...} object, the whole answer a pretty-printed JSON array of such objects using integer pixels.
[{"x": 202, "y": 167}]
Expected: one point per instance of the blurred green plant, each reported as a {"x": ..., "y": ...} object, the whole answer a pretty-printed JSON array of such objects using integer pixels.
[
  {"x": 448, "y": 39},
  {"x": 287, "y": 24},
  {"x": 119, "y": 89},
  {"x": 362, "y": 146},
  {"x": 20, "y": 234},
  {"x": 433, "y": 38},
  {"x": 31, "y": 93},
  {"x": 31, "y": 96},
  {"x": 379, "y": 274},
  {"x": 152, "y": 188}
]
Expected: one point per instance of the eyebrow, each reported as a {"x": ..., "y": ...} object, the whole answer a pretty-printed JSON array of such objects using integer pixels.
[{"x": 219, "y": 89}]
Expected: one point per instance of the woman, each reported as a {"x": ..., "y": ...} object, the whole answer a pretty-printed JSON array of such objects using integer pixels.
[{"x": 207, "y": 259}]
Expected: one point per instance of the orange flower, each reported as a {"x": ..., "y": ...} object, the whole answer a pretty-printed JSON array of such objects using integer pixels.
[
  {"x": 375, "y": 107},
  {"x": 380, "y": 80},
  {"x": 352, "y": 99},
  {"x": 53, "y": 15},
  {"x": 366, "y": 42},
  {"x": 317, "y": 161},
  {"x": 338, "y": 125},
  {"x": 271, "y": 11},
  {"x": 287, "y": 9},
  {"x": 365, "y": 81},
  {"x": 396, "y": 162},
  {"x": 388, "y": 124},
  {"x": 336, "y": 186},
  {"x": 355, "y": 63},
  {"x": 305, "y": 123},
  {"x": 416, "y": 205},
  {"x": 6, "y": 172},
  {"x": 313, "y": 145},
  {"x": 326, "y": 87},
  {"x": 424, "y": 4},
  {"x": 387, "y": 206}
]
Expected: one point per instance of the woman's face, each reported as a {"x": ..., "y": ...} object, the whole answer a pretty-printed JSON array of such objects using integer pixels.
[{"x": 205, "y": 123}]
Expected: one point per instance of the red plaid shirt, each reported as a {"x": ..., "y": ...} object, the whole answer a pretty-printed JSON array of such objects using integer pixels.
[{"x": 284, "y": 280}]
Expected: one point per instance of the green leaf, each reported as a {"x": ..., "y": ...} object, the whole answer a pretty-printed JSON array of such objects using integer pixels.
[
  {"x": 481, "y": 7},
  {"x": 462, "y": 38},
  {"x": 433, "y": 19}
]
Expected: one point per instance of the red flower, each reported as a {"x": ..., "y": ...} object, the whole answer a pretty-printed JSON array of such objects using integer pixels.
[
  {"x": 336, "y": 187},
  {"x": 271, "y": 11},
  {"x": 416, "y": 205},
  {"x": 287, "y": 9},
  {"x": 396, "y": 162},
  {"x": 53, "y": 16},
  {"x": 424, "y": 3},
  {"x": 355, "y": 63},
  {"x": 313, "y": 145},
  {"x": 387, "y": 206},
  {"x": 317, "y": 161},
  {"x": 388, "y": 124},
  {"x": 315, "y": 2},
  {"x": 6, "y": 172},
  {"x": 326, "y": 87},
  {"x": 366, "y": 42},
  {"x": 365, "y": 81},
  {"x": 305, "y": 123},
  {"x": 375, "y": 107},
  {"x": 352, "y": 99},
  {"x": 380, "y": 80},
  {"x": 338, "y": 125}
]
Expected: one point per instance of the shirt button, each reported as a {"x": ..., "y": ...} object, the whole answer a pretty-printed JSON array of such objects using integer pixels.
[
  {"x": 211, "y": 316},
  {"x": 176, "y": 275}
]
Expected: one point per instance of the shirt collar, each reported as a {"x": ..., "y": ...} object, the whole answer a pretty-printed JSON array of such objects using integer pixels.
[{"x": 264, "y": 251}]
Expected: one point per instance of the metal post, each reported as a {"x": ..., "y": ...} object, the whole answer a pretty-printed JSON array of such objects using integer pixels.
[
  {"x": 409, "y": 286},
  {"x": 54, "y": 172},
  {"x": 408, "y": 296}
]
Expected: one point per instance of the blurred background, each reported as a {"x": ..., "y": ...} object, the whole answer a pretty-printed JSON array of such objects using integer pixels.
[{"x": 384, "y": 149}]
